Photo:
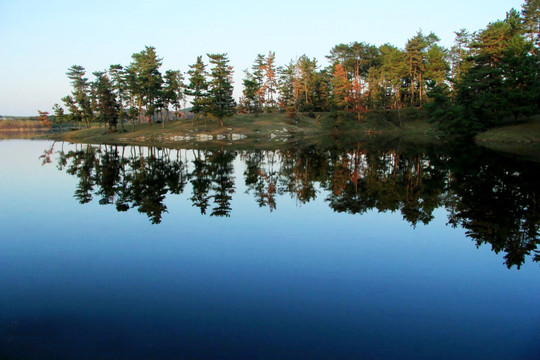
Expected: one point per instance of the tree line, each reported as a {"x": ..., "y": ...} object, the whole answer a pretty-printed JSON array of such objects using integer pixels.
[
  {"x": 485, "y": 78},
  {"x": 140, "y": 92}
]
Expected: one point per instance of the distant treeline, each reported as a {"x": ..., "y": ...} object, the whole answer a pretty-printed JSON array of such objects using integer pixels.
[
  {"x": 6, "y": 117},
  {"x": 26, "y": 123},
  {"x": 487, "y": 77}
]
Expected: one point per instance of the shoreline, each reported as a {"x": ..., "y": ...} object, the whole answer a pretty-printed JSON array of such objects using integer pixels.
[
  {"x": 272, "y": 131},
  {"x": 264, "y": 130}
]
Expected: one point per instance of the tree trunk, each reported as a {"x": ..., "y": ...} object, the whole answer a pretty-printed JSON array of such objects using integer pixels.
[
  {"x": 412, "y": 81},
  {"x": 140, "y": 110},
  {"x": 420, "y": 85},
  {"x": 163, "y": 119},
  {"x": 398, "y": 113}
]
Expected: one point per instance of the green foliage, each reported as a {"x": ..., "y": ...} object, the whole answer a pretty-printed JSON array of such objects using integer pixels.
[
  {"x": 173, "y": 90},
  {"x": 436, "y": 64},
  {"x": 270, "y": 81},
  {"x": 386, "y": 81},
  {"x": 261, "y": 85},
  {"x": 220, "y": 91},
  {"x": 305, "y": 83},
  {"x": 118, "y": 79},
  {"x": 459, "y": 54},
  {"x": 531, "y": 21},
  {"x": 258, "y": 78},
  {"x": 416, "y": 56},
  {"x": 500, "y": 82},
  {"x": 198, "y": 86},
  {"x": 357, "y": 58},
  {"x": 59, "y": 116},
  {"x": 287, "y": 90},
  {"x": 105, "y": 100},
  {"x": 134, "y": 91},
  {"x": 486, "y": 78},
  {"x": 444, "y": 112},
  {"x": 520, "y": 67},
  {"x": 80, "y": 102},
  {"x": 249, "y": 101},
  {"x": 145, "y": 80}
]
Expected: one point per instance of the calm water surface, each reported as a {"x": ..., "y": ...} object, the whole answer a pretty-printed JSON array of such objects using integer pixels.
[{"x": 388, "y": 252}]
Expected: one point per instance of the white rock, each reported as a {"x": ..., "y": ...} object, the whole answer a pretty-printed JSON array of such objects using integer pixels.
[
  {"x": 238, "y": 136},
  {"x": 204, "y": 137}
]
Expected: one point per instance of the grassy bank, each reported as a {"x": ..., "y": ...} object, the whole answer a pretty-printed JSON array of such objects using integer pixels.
[
  {"x": 263, "y": 131},
  {"x": 275, "y": 130},
  {"x": 524, "y": 133},
  {"x": 520, "y": 139}
]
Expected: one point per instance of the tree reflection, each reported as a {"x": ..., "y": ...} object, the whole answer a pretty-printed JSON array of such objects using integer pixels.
[
  {"x": 494, "y": 199},
  {"x": 261, "y": 177},
  {"x": 201, "y": 181},
  {"x": 139, "y": 181},
  {"x": 83, "y": 166},
  {"x": 221, "y": 170},
  {"x": 497, "y": 203}
]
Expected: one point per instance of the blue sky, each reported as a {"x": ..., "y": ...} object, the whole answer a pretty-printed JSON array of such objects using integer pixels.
[{"x": 40, "y": 40}]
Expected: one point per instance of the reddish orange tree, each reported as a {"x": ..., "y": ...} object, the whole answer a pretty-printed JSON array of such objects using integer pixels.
[
  {"x": 341, "y": 88},
  {"x": 44, "y": 118},
  {"x": 356, "y": 99}
]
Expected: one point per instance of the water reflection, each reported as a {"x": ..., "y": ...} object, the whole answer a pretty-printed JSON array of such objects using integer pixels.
[{"x": 494, "y": 198}]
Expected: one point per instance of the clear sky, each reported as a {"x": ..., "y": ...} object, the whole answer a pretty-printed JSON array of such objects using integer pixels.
[{"x": 40, "y": 40}]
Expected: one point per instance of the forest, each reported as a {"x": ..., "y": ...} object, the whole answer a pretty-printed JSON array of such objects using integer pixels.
[{"x": 486, "y": 79}]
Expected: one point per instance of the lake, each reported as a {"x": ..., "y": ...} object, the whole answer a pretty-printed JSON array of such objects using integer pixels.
[{"x": 362, "y": 251}]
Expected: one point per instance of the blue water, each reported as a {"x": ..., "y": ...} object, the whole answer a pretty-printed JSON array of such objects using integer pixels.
[{"x": 302, "y": 281}]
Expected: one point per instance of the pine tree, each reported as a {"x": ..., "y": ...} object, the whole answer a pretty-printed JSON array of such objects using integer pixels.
[
  {"x": 258, "y": 69},
  {"x": 436, "y": 64},
  {"x": 393, "y": 70},
  {"x": 459, "y": 54},
  {"x": 80, "y": 100},
  {"x": 306, "y": 81},
  {"x": 270, "y": 82},
  {"x": 220, "y": 93},
  {"x": 173, "y": 91},
  {"x": 357, "y": 58},
  {"x": 59, "y": 115},
  {"x": 341, "y": 87},
  {"x": 321, "y": 94},
  {"x": 105, "y": 99},
  {"x": 286, "y": 87},
  {"x": 119, "y": 85},
  {"x": 198, "y": 87},
  {"x": 145, "y": 80},
  {"x": 43, "y": 118},
  {"x": 250, "y": 93},
  {"x": 70, "y": 104},
  {"x": 415, "y": 51},
  {"x": 531, "y": 21},
  {"x": 355, "y": 100}
]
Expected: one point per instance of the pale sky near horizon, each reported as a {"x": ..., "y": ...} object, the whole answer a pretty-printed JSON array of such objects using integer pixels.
[{"x": 40, "y": 40}]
